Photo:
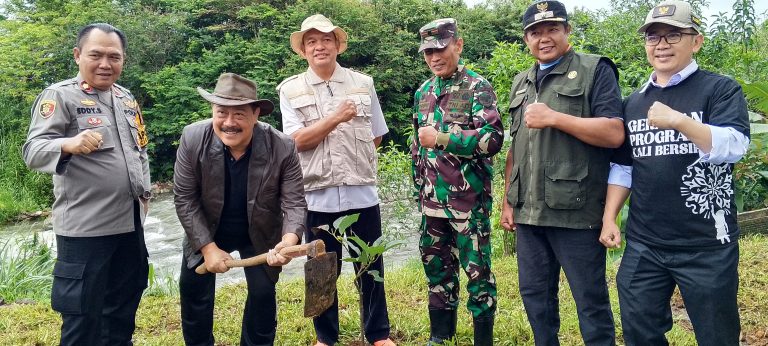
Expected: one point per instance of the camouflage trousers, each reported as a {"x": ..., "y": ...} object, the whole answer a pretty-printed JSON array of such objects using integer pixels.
[{"x": 449, "y": 244}]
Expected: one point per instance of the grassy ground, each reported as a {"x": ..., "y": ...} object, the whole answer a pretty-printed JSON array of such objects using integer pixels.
[{"x": 158, "y": 318}]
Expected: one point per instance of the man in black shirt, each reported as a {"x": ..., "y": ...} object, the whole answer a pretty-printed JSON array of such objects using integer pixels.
[
  {"x": 566, "y": 113},
  {"x": 238, "y": 186},
  {"x": 685, "y": 128}
]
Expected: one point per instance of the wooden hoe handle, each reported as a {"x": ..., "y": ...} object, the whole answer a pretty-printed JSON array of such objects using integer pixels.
[{"x": 313, "y": 249}]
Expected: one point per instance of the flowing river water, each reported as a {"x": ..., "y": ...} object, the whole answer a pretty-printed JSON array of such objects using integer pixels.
[{"x": 163, "y": 234}]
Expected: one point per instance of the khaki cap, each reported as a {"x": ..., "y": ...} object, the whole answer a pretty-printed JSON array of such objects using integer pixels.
[
  {"x": 675, "y": 13},
  {"x": 322, "y": 24}
]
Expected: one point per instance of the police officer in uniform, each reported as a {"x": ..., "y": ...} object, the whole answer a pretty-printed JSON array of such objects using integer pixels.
[
  {"x": 566, "y": 112},
  {"x": 458, "y": 131},
  {"x": 88, "y": 132},
  {"x": 335, "y": 118}
]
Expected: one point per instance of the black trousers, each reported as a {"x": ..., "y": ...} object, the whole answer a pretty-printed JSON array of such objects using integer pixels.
[
  {"x": 197, "y": 293},
  {"x": 541, "y": 252},
  {"x": 708, "y": 282},
  {"x": 97, "y": 286},
  {"x": 375, "y": 317}
]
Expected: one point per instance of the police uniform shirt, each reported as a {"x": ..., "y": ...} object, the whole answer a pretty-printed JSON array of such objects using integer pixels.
[{"x": 94, "y": 193}]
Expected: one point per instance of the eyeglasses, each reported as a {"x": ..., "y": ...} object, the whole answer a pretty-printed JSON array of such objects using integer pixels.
[{"x": 671, "y": 38}]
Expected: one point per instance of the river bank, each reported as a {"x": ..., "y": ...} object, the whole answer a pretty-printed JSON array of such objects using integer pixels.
[
  {"x": 158, "y": 321},
  {"x": 163, "y": 234}
]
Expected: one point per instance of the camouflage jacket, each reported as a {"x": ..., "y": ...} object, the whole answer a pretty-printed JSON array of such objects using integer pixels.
[{"x": 453, "y": 180}]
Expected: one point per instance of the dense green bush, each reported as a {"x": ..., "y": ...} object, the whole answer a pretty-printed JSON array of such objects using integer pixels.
[
  {"x": 21, "y": 190},
  {"x": 175, "y": 46},
  {"x": 25, "y": 270}
]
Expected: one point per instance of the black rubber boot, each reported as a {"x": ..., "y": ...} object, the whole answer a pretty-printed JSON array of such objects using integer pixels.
[
  {"x": 442, "y": 326},
  {"x": 483, "y": 330}
]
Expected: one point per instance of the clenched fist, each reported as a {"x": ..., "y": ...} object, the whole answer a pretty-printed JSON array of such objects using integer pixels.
[
  {"x": 663, "y": 117},
  {"x": 346, "y": 111},
  {"x": 428, "y": 136},
  {"x": 84, "y": 143},
  {"x": 539, "y": 116}
]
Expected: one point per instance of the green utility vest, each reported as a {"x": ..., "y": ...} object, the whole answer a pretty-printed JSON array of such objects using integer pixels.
[{"x": 557, "y": 180}]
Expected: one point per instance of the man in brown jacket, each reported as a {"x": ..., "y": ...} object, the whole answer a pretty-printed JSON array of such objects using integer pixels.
[{"x": 238, "y": 186}]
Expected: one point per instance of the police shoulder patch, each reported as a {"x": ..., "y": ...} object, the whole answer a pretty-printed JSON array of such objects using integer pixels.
[{"x": 47, "y": 108}]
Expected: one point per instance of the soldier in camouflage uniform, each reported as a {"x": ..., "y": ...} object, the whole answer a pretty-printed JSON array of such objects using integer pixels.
[{"x": 457, "y": 130}]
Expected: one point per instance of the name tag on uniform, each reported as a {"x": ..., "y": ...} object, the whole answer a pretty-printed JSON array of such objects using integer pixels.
[
  {"x": 425, "y": 106},
  {"x": 458, "y": 106}
]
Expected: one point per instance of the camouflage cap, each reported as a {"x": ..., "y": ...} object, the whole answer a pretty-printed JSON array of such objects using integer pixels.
[
  {"x": 438, "y": 33},
  {"x": 675, "y": 13},
  {"x": 544, "y": 11}
]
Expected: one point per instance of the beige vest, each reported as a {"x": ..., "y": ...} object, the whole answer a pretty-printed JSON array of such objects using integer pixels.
[{"x": 347, "y": 156}]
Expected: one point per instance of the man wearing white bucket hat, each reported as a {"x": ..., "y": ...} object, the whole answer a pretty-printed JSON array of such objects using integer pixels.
[{"x": 335, "y": 118}]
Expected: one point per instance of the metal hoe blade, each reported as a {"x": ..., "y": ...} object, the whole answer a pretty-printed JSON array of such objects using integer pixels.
[{"x": 320, "y": 283}]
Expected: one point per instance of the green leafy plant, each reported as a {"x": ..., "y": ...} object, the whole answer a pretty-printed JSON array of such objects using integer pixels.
[
  {"x": 751, "y": 175},
  {"x": 751, "y": 172},
  {"x": 360, "y": 253},
  {"x": 161, "y": 284},
  {"x": 757, "y": 94},
  {"x": 25, "y": 270}
]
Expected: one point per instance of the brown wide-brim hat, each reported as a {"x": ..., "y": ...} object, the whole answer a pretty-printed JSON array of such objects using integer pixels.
[
  {"x": 235, "y": 90},
  {"x": 322, "y": 24}
]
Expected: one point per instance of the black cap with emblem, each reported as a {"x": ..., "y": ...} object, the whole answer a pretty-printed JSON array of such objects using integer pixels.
[{"x": 544, "y": 11}]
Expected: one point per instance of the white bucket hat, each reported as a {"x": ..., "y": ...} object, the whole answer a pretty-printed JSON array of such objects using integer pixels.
[{"x": 322, "y": 24}]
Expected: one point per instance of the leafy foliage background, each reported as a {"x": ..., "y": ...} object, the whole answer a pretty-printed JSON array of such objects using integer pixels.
[{"x": 175, "y": 46}]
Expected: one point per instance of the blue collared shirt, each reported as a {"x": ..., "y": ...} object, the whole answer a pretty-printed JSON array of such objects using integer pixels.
[
  {"x": 544, "y": 66},
  {"x": 728, "y": 145}
]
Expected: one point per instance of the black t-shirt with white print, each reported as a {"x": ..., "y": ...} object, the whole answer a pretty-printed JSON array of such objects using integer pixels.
[{"x": 678, "y": 201}]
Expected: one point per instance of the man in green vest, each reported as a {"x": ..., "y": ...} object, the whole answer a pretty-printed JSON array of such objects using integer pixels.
[{"x": 566, "y": 113}]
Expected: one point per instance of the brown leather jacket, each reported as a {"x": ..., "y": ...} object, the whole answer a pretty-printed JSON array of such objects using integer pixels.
[{"x": 276, "y": 203}]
